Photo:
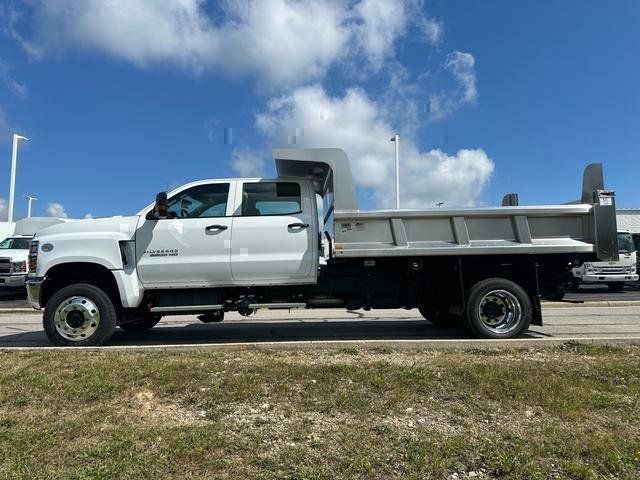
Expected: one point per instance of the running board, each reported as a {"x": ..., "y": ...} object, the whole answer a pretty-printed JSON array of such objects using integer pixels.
[
  {"x": 277, "y": 306},
  {"x": 202, "y": 308},
  {"x": 186, "y": 308}
]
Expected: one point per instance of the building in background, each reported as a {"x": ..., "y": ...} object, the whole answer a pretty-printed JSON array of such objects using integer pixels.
[{"x": 629, "y": 219}]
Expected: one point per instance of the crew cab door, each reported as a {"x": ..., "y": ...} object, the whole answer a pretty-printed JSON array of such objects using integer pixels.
[
  {"x": 274, "y": 238},
  {"x": 192, "y": 247}
]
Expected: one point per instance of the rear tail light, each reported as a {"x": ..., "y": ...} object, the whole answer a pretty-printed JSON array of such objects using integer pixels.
[{"x": 33, "y": 256}]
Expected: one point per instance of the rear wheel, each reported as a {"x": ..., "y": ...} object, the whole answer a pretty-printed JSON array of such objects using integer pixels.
[
  {"x": 79, "y": 314},
  {"x": 498, "y": 308},
  {"x": 616, "y": 286}
]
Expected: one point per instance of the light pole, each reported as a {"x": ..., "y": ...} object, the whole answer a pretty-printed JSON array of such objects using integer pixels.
[
  {"x": 12, "y": 185},
  {"x": 396, "y": 140},
  {"x": 30, "y": 199}
]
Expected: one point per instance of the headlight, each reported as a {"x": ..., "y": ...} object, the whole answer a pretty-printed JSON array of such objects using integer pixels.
[
  {"x": 588, "y": 268},
  {"x": 19, "y": 267},
  {"x": 33, "y": 256}
]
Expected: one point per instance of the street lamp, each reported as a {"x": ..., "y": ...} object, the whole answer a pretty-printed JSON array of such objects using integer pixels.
[
  {"x": 396, "y": 140},
  {"x": 12, "y": 185},
  {"x": 30, "y": 199}
]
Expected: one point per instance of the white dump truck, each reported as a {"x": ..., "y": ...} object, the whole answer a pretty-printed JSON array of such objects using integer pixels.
[
  {"x": 614, "y": 274},
  {"x": 300, "y": 241}
]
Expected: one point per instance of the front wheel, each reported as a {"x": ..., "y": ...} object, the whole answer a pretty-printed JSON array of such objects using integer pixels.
[
  {"x": 498, "y": 308},
  {"x": 616, "y": 286},
  {"x": 81, "y": 315}
]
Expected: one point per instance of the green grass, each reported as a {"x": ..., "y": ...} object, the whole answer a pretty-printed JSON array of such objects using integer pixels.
[{"x": 571, "y": 412}]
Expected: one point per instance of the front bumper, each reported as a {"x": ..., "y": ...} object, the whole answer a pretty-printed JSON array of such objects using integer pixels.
[
  {"x": 12, "y": 280},
  {"x": 34, "y": 285},
  {"x": 594, "y": 278}
]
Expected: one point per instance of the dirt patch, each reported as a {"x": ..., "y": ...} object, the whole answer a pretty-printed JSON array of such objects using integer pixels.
[{"x": 145, "y": 407}]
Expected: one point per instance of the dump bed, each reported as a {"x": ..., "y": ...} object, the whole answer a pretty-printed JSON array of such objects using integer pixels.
[
  {"x": 587, "y": 225},
  {"x": 482, "y": 231}
]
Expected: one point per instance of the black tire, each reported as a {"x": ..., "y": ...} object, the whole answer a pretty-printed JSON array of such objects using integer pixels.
[
  {"x": 141, "y": 324},
  {"x": 104, "y": 327},
  {"x": 502, "y": 296},
  {"x": 616, "y": 286},
  {"x": 436, "y": 316}
]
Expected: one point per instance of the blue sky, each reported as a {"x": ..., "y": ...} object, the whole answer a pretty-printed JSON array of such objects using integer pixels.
[{"x": 124, "y": 100}]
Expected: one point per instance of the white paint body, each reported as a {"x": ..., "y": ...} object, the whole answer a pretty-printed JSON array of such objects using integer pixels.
[{"x": 183, "y": 253}]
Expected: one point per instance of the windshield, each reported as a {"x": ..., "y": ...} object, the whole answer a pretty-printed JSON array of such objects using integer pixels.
[
  {"x": 625, "y": 243},
  {"x": 15, "y": 243}
]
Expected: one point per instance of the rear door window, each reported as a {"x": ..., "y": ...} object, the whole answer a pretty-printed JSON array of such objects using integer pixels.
[{"x": 270, "y": 198}]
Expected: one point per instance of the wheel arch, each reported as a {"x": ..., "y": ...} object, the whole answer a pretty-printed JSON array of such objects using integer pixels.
[{"x": 63, "y": 274}]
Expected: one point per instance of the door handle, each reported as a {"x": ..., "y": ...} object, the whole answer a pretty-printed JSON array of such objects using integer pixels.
[
  {"x": 298, "y": 225},
  {"x": 216, "y": 227}
]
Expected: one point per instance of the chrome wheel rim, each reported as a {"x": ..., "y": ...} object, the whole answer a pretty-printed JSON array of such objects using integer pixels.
[
  {"x": 76, "y": 318},
  {"x": 500, "y": 311}
]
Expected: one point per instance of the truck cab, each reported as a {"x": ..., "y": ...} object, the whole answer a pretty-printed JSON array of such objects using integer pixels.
[
  {"x": 614, "y": 274},
  {"x": 224, "y": 233}
]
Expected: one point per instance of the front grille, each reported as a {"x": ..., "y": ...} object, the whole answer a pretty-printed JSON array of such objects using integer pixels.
[
  {"x": 5, "y": 265},
  {"x": 610, "y": 270}
]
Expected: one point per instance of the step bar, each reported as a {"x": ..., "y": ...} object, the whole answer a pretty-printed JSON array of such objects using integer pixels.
[{"x": 202, "y": 308}]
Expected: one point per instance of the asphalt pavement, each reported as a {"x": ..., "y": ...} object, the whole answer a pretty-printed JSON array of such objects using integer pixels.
[
  {"x": 592, "y": 319},
  {"x": 561, "y": 322}
]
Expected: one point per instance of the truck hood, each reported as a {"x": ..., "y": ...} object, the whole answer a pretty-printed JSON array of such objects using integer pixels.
[
  {"x": 15, "y": 254},
  {"x": 120, "y": 228}
]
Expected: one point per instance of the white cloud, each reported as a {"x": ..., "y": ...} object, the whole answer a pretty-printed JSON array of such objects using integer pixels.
[
  {"x": 462, "y": 67},
  {"x": 286, "y": 42},
  {"x": 12, "y": 84},
  {"x": 4, "y": 207},
  {"x": 55, "y": 209},
  {"x": 248, "y": 163},
  {"x": 362, "y": 128},
  {"x": 431, "y": 29},
  {"x": 88, "y": 216}
]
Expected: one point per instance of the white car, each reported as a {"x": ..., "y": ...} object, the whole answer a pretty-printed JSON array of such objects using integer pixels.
[{"x": 14, "y": 254}]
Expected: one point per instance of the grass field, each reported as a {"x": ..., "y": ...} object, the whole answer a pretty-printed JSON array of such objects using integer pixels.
[{"x": 570, "y": 412}]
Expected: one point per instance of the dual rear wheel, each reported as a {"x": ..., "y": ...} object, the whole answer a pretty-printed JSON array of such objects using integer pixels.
[{"x": 495, "y": 308}]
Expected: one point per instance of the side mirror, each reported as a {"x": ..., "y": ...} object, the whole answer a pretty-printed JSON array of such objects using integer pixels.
[{"x": 159, "y": 211}]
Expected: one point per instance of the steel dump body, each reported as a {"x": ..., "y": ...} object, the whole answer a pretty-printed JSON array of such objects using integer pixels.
[
  {"x": 587, "y": 226},
  {"x": 481, "y": 231}
]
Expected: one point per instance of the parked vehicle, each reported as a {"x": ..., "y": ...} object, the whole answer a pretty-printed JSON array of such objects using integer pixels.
[
  {"x": 214, "y": 246},
  {"x": 14, "y": 250},
  {"x": 613, "y": 273},
  {"x": 14, "y": 253},
  {"x": 636, "y": 244}
]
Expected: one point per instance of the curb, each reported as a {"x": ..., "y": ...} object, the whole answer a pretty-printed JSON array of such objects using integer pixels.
[
  {"x": 430, "y": 344},
  {"x": 598, "y": 303}
]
